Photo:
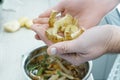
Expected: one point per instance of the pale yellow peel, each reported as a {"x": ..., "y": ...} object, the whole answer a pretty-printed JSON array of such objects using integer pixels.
[
  {"x": 11, "y": 26},
  {"x": 76, "y": 34},
  {"x": 66, "y": 25},
  {"x": 52, "y": 18},
  {"x": 25, "y": 22},
  {"x": 28, "y": 23},
  {"x": 22, "y": 21},
  {"x": 64, "y": 21},
  {"x": 15, "y": 25}
]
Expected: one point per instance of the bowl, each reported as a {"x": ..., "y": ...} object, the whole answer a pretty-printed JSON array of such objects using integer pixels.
[{"x": 42, "y": 50}]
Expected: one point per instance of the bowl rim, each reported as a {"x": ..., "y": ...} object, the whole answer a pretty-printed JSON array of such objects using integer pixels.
[
  {"x": 89, "y": 70},
  {"x": 25, "y": 56}
]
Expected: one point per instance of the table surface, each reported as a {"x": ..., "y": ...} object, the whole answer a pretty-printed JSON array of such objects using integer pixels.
[{"x": 14, "y": 45}]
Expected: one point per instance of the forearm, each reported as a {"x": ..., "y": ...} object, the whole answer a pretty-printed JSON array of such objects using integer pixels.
[
  {"x": 105, "y": 6},
  {"x": 96, "y": 10},
  {"x": 108, "y": 5}
]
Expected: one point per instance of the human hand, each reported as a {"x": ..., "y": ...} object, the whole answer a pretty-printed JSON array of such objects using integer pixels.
[
  {"x": 88, "y": 13},
  {"x": 91, "y": 44}
]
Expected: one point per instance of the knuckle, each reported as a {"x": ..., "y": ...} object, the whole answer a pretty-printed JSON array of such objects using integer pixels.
[{"x": 65, "y": 48}]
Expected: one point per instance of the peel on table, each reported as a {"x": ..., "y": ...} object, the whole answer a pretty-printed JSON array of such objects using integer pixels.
[
  {"x": 62, "y": 29},
  {"x": 15, "y": 25}
]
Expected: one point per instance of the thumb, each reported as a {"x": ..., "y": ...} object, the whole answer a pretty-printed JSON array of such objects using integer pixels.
[{"x": 62, "y": 48}]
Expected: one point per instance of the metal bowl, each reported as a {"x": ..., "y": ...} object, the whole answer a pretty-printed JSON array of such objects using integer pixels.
[{"x": 41, "y": 50}]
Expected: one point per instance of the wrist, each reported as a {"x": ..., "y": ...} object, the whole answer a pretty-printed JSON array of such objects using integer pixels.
[
  {"x": 108, "y": 5},
  {"x": 97, "y": 9},
  {"x": 114, "y": 43}
]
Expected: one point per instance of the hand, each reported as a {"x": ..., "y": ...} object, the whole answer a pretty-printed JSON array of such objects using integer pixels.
[
  {"x": 89, "y": 13},
  {"x": 91, "y": 44}
]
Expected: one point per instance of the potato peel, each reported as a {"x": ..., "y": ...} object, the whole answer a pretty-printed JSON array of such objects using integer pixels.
[
  {"x": 12, "y": 26},
  {"x": 52, "y": 18},
  {"x": 67, "y": 26}
]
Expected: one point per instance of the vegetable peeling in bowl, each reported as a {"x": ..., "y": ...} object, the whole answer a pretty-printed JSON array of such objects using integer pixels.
[{"x": 45, "y": 67}]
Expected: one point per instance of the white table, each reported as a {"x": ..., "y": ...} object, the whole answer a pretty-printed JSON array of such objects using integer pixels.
[{"x": 14, "y": 45}]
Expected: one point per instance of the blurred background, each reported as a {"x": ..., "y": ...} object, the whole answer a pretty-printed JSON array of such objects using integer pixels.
[{"x": 0, "y": 1}]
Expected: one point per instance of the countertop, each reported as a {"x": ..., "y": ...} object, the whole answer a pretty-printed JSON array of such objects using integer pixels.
[{"x": 14, "y": 45}]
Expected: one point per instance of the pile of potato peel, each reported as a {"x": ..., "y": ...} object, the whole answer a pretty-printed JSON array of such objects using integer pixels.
[
  {"x": 15, "y": 25},
  {"x": 62, "y": 29}
]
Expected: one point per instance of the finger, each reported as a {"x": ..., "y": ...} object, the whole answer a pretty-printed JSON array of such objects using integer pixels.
[
  {"x": 45, "y": 14},
  {"x": 62, "y": 48},
  {"x": 37, "y": 37},
  {"x": 40, "y": 20},
  {"x": 59, "y": 8},
  {"x": 40, "y": 30},
  {"x": 34, "y": 25}
]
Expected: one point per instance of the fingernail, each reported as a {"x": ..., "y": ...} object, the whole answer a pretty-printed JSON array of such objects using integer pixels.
[{"x": 53, "y": 51}]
